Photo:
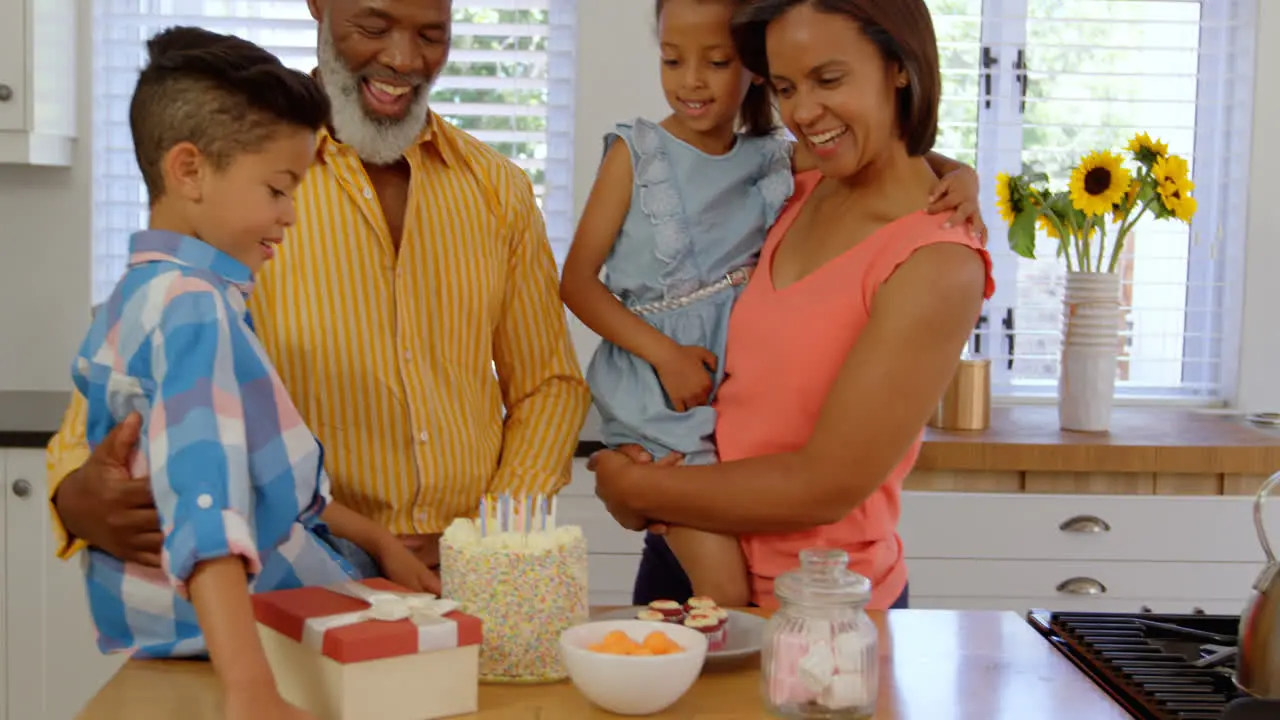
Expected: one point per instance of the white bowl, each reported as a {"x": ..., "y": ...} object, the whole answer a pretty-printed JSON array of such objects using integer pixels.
[{"x": 632, "y": 685}]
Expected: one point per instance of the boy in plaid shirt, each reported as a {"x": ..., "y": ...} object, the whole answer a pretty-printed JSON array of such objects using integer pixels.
[{"x": 223, "y": 134}]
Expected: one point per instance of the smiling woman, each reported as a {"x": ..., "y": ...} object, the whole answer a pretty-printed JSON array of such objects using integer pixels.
[{"x": 853, "y": 321}]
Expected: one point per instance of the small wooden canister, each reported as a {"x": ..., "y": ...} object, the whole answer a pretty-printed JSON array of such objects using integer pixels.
[{"x": 966, "y": 405}]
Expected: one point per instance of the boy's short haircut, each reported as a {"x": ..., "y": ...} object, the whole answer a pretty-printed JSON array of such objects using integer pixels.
[{"x": 223, "y": 94}]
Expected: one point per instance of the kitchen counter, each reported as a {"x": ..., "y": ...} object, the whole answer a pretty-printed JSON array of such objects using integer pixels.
[
  {"x": 934, "y": 664},
  {"x": 1027, "y": 438},
  {"x": 28, "y": 418}
]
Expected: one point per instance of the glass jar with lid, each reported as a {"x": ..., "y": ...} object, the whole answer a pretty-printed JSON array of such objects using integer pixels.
[{"x": 819, "y": 656}]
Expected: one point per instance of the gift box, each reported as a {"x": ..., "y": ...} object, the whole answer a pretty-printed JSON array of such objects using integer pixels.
[{"x": 370, "y": 651}]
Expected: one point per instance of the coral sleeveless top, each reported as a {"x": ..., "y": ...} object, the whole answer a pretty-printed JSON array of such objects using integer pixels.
[{"x": 785, "y": 349}]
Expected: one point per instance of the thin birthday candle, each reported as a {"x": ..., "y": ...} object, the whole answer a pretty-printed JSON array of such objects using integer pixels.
[{"x": 484, "y": 515}]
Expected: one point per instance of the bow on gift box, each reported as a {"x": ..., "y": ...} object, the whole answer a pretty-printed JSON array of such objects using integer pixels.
[{"x": 426, "y": 611}]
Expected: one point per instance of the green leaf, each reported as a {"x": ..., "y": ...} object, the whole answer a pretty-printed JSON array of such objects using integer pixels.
[{"x": 1022, "y": 234}]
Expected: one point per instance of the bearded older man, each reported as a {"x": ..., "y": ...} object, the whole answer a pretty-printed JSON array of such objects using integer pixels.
[{"x": 418, "y": 264}]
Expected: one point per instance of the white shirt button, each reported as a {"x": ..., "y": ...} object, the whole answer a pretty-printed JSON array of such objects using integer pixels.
[
  {"x": 423, "y": 436},
  {"x": 205, "y": 501},
  {"x": 368, "y": 194}
]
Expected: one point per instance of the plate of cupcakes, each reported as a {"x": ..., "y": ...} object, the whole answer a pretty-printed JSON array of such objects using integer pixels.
[{"x": 731, "y": 634}]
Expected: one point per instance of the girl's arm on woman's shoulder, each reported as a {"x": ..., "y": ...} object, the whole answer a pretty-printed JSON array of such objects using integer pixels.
[
  {"x": 941, "y": 165},
  {"x": 883, "y": 396},
  {"x": 803, "y": 161},
  {"x": 580, "y": 286}
]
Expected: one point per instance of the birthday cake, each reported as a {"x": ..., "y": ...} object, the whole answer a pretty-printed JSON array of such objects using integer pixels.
[{"x": 524, "y": 577}]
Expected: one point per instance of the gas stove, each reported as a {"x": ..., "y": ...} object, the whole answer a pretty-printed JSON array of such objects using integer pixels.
[{"x": 1158, "y": 667}]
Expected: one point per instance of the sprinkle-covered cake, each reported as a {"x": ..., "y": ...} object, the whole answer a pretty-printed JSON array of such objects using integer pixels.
[{"x": 525, "y": 578}]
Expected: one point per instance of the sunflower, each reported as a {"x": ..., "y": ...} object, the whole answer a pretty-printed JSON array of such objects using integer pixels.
[
  {"x": 1121, "y": 211},
  {"x": 1171, "y": 174},
  {"x": 1183, "y": 208},
  {"x": 1146, "y": 149},
  {"x": 1048, "y": 228},
  {"x": 1004, "y": 198},
  {"x": 1174, "y": 184},
  {"x": 1098, "y": 183}
]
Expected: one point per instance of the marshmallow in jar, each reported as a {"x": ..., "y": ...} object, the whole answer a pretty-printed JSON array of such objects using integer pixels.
[{"x": 819, "y": 658}]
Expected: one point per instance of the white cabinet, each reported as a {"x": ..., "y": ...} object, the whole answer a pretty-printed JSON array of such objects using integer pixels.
[
  {"x": 39, "y": 47},
  {"x": 49, "y": 663},
  {"x": 1175, "y": 554}
]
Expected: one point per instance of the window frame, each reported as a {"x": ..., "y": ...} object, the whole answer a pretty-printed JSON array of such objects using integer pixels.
[{"x": 1210, "y": 335}]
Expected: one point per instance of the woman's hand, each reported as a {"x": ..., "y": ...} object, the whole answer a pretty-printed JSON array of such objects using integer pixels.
[
  {"x": 685, "y": 373},
  {"x": 615, "y": 472},
  {"x": 401, "y": 566},
  {"x": 957, "y": 192}
]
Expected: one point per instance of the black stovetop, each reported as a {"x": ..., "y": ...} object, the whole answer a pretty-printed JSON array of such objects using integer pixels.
[{"x": 1158, "y": 667}]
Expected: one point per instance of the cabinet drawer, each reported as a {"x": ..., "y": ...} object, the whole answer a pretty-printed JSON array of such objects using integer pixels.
[
  {"x": 1140, "y": 581},
  {"x": 1033, "y": 527}
]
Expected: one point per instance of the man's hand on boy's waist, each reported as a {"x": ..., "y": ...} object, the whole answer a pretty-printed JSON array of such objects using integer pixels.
[{"x": 110, "y": 510}]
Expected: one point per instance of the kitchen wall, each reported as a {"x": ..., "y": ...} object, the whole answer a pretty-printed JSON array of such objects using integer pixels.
[{"x": 45, "y": 214}]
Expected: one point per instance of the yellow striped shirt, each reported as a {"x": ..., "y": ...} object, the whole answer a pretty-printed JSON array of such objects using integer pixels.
[{"x": 390, "y": 356}]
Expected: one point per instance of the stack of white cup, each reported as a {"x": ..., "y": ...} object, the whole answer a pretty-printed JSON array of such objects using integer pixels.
[{"x": 1090, "y": 350}]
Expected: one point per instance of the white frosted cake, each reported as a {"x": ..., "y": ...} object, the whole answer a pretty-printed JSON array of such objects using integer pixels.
[{"x": 526, "y": 585}]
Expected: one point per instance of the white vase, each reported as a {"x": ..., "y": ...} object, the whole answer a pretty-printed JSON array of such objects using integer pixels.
[{"x": 1090, "y": 350}]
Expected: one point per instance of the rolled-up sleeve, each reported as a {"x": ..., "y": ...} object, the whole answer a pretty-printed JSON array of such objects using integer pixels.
[{"x": 197, "y": 445}]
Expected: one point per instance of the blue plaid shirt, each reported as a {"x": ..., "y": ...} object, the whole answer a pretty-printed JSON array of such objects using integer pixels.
[{"x": 233, "y": 467}]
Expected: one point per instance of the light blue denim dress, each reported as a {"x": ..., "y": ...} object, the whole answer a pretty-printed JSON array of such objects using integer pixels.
[{"x": 694, "y": 219}]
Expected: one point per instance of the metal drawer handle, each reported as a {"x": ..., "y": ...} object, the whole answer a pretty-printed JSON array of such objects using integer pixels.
[
  {"x": 1085, "y": 524},
  {"x": 21, "y": 488},
  {"x": 6, "y": 93},
  {"x": 1081, "y": 586}
]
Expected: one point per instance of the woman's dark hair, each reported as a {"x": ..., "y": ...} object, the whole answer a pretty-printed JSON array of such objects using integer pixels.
[
  {"x": 901, "y": 29},
  {"x": 756, "y": 116}
]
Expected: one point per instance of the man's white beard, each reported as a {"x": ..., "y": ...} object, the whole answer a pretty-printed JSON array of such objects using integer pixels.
[{"x": 379, "y": 141}]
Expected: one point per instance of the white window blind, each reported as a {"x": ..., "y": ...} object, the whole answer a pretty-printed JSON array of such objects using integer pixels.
[
  {"x": 509, "y": 82},
  {"x": 1037, "y": 84}
]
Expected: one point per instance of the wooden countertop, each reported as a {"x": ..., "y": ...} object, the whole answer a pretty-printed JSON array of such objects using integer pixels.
[
  {"x": 934, "y": 665},
  {"x": 1141, "y": 440}
]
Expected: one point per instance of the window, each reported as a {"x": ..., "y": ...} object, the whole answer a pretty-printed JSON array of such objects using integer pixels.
[
  {"x": 509, "y": 82},
  {"x": 1041, "y": 82}
]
